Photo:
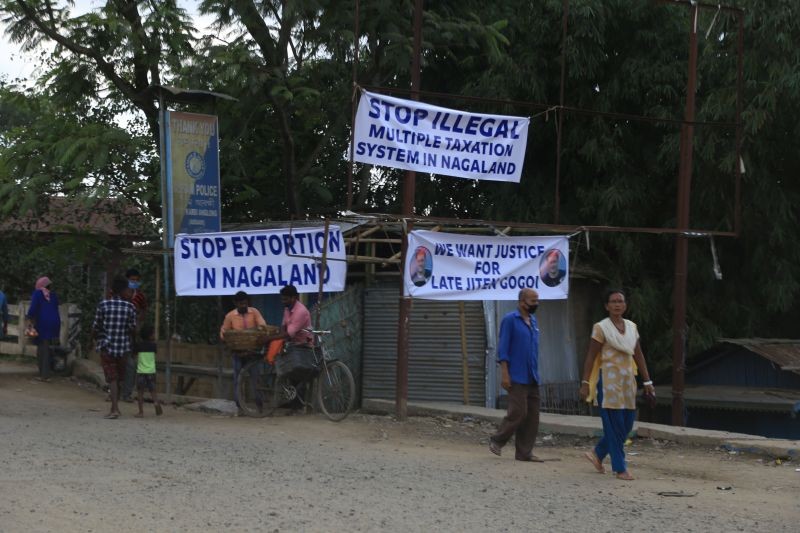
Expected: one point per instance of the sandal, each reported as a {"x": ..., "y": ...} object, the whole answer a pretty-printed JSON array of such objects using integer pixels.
[
  {"x": 592, "y": 458},
  {"x": 625, "y": 476},
  {"x": 111, "y": 416},
  {"x": 495, "y": 448}
]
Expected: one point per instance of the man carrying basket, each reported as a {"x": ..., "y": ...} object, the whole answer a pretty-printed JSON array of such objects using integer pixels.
[{"x": 243, "y": 317}]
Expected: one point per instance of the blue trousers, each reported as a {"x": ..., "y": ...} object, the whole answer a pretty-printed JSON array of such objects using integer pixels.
[{"x": 617, "y": 424}]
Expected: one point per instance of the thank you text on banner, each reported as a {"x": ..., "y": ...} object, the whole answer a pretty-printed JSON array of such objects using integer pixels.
[
  {"x": 411, "y": 135},
  {"x": 444, "y": 266},
  {"x": 258, "y": 262}
]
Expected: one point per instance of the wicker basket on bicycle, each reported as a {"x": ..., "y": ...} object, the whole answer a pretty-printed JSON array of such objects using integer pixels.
[
  {"x": 248, "y": 340},
  {"x": 297, "y": 362}
]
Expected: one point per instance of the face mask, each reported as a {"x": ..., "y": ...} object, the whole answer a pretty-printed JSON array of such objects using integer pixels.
[
  {"x": 134, "y": 284},
  {"x": 532, "y": 309}
]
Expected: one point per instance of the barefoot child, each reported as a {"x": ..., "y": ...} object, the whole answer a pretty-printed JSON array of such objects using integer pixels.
[{"x": 146, "y": 369}]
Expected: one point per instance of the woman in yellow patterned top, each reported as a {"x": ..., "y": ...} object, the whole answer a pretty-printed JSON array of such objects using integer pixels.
[{"x": 610, "y": 370}]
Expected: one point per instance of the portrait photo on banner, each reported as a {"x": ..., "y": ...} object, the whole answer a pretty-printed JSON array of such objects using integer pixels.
[
  {"x": 421, "y": 266},
  {"x": 552, "y": 267}
]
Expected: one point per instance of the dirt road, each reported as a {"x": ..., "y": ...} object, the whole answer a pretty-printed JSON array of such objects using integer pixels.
[{"x": 64, "y": 468}]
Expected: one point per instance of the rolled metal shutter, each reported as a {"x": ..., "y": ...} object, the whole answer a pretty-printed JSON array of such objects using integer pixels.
[{"x": 434, "y": 366}]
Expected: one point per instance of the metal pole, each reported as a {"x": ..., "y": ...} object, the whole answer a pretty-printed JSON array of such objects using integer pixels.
[
  {"x": 679, "y": 326},
  {"x": 356, "y": 37},
  {"x": 158, "y": 302},
  {"x": 737, "y": 217},
  {"x": 401, "y": 393},
  {"x": 560, "y": 112},
  {"x": 220, "y": 351},
  {"x": 323, "y": 268},
  {"x": 165, "y": 240}
]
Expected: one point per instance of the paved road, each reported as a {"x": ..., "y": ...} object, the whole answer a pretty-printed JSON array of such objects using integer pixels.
[{"x": 64, "y": 468}]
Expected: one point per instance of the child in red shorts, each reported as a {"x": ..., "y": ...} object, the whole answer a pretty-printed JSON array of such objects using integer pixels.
[{"x": 112, "y": 332}]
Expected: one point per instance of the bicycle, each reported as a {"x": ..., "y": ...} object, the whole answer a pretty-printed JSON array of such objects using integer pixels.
[{"x": 329, "y": 384}]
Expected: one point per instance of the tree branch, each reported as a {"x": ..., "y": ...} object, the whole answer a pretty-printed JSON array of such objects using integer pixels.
[
  {"x": 258, "y": 29},
  {"x": 105, "y": 67},
  {"x": 324, "y": 139},
  {"x": 139, "y": 39}
]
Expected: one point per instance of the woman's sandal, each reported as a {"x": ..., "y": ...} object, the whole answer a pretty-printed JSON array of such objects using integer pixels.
[{"x": 592, "y": 458}]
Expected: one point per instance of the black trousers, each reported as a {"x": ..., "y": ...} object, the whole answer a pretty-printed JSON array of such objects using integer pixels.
[{"x": 44, "y": 357}]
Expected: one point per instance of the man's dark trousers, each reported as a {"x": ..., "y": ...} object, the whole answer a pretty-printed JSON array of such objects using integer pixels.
[{"x": 521, "y": 420}]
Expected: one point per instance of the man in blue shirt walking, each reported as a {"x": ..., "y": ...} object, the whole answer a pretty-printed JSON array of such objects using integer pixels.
[{"x": 518, "y": 355}]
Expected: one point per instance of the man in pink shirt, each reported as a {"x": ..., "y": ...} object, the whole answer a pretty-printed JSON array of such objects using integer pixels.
[{"x": 296, "y": 317}]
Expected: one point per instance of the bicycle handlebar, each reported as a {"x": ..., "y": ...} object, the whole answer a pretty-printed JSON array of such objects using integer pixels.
[{"x": 317, "y": 332}]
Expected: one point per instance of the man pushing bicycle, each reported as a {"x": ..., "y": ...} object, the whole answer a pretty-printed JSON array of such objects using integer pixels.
[
  {"x": 295, "y": 329},
  {"x": 296, "y": 322}
]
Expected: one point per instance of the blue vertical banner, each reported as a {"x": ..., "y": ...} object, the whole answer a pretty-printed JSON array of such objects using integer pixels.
[{"x": 192, "y": 156}]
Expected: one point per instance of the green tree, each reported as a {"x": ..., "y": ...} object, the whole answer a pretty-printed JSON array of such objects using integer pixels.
[
  {"x": 289, "y": 64},
  {"x": 116, "y": 54},
  {"x": 48, "y": 151}
]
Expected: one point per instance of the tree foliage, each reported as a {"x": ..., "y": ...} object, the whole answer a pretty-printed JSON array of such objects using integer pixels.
[{"x": 289, "y": 64}]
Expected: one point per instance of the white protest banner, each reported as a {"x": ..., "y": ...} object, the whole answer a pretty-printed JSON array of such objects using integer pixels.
[
  {"x": 446, "y": 266},
  {"x": 411, "y": 135},
  {"x": 258, "y": 262}
]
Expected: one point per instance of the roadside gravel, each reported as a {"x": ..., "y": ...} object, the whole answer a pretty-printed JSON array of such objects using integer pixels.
[{"x": 64, "y": 468}]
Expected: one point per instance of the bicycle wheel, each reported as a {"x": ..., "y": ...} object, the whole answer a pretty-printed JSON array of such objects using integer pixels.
[
  {"x": 256, "y": 389},
  {"x": 336, "y": 390}
]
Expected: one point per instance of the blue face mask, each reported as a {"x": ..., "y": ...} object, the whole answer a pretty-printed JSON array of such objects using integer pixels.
[{"x": 134, "y": 284}]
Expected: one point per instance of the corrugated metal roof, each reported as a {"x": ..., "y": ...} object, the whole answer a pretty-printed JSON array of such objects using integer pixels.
[
  {"x": 783, "y": 352},
  {"x": 110, "y": 216}
]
